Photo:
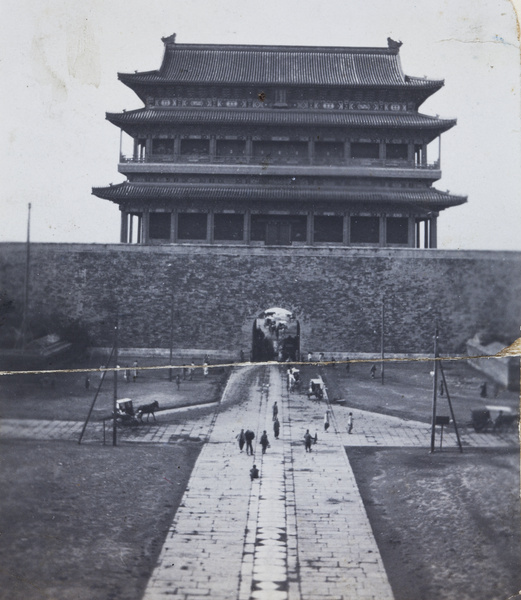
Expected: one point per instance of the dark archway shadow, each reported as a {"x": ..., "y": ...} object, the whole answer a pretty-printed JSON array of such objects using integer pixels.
[{"x": 276, "y": 336}]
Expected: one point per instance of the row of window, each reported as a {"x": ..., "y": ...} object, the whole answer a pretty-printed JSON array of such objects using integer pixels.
[
  {"x": 280, "y": 148},
  {"x": 278, "y": 229}
]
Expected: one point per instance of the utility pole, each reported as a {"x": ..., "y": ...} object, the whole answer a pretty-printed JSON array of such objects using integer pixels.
[
  {"x": 26, "y": 286},
  {"x": 170, "y": 375},
  {"x": 435, "y": 388},
  {"x": 114, "y": 404},
  {"x": 382, "y": 340}
]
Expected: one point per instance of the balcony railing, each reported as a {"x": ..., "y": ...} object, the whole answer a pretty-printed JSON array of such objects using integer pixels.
[{"x": 282, "y": 160}]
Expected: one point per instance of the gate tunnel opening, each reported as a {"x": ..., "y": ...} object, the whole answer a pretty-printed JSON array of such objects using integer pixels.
[{"x": 276, "y": 336}]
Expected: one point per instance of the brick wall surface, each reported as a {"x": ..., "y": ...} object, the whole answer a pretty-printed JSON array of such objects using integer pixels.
[{"x": 217, "y": 292}]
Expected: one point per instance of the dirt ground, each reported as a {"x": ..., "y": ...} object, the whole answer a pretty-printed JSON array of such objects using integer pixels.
[
  {"x": 447, "y": 525},
  {"x": 86, "y": 522},
  {"x": 64, "y": 395}
]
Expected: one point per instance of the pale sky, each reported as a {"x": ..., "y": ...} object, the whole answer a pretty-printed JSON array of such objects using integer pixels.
[{"x": 59, "y": 76}]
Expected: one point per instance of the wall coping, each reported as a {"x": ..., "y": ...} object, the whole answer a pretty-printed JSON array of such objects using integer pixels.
[{"x": 248, "y": 251}]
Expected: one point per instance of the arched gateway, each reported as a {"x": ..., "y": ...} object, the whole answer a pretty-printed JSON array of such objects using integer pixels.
[{"x": 276, "y": 336}]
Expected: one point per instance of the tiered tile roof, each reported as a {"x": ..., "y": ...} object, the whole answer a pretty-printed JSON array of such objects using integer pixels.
[
  {"x": 280, "y": 65},
  {"x": 178, "y": 191}
]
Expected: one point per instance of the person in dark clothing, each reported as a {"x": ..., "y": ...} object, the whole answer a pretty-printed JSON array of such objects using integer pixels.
[
  {"x": 249, "y": 436},
  {"x": 326, "y": 421},
  {"x": 241, "y": 439},
  {"x": 483, "y": 390},
  {"x": 254, "y": 473},
  {"x": 308, "y": 440},
  {"x": 178, "y": 381},
  {"x": 264, "y": 441},
  {"x": 276, "y": 428},
  {"x": 275, "y": 411},
  {"x": 372, "y": 371}
]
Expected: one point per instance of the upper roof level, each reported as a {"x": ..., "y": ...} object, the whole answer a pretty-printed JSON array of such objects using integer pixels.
[{"x": 284, "y": 66}]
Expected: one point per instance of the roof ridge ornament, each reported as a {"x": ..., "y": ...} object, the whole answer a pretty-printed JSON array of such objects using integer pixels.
[
  {"x": 393, "y": 44},
  {"x": 170, "y": 39}
]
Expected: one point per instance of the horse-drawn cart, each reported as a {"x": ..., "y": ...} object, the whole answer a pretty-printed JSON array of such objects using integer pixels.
[
  {"x": 125, "y": 414},
  {"x": 497, "y": 419}
]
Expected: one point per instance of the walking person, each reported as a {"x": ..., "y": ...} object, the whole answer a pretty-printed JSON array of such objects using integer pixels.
[
  {"x": 326, "y": 421},
  {"x": 308, "y": 440},
  {"x": 87, "y": 383},
  {"x": 191, "y": 371},
  {"x": 276, "y": 428},
  {"x": 178, "y": 381},
  {"x": 264, "y": 442},
  {"x": 372, "y": 371},
  {"x": 275, "y": 410},
  {"x": 127, "y": 374},
  {"x": 205, "y": 369},
  {"x": 249, "y": 436},
  {"x": 350, "y": 423},
  {"x": 134, "y": 371},
  {"x": 241, "y": 439}
]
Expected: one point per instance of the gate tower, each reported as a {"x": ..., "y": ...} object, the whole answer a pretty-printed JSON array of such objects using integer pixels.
[{"x": 280, "y": 145}]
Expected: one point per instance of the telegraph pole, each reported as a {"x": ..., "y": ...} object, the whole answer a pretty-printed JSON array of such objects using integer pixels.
[
  {"x": 114, "y": 404},
  {"x": 435, "y": 389},
  {"x": 26, "y": 286},
  {"x": 382, "y": 340}
]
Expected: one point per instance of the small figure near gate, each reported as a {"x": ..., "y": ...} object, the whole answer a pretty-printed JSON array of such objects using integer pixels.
[
  {"x": 276, "y": 428},
  {"x": 254, "y": 473},
  {"x": 308, "y": 440},
  {"x": 350, "y": 423},
  {"x": 241, "y": 439},
  {"x": 326, "y": 421},
  {"x": 264, "y": 441},
  {"x": 372, "y": 371},
  {"x": 249, "y": 436}
]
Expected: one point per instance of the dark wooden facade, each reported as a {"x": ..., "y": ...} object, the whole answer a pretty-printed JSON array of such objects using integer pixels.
[{"x": 279, "y": 145}]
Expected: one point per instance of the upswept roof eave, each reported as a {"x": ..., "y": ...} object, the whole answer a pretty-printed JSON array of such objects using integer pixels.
[
  {"x": 142, "y": 191},
  {"x": 154, "y": 78},
  {"x": 194, "y": 115}
]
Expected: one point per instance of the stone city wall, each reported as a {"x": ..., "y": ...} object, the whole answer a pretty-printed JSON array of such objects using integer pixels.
[{"x": 217, "y": 291}]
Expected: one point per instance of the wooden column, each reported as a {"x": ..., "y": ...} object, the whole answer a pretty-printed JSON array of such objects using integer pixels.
[
  {"x": 411, "y": 241},
  {"x": 311, "y": 151},
  {"x": 145, "y": 224},
  {"x": 347, "y": 229},
  {"x": 417, "y": 223},
  {"x": 135, "y": 154},
  {"x": 382, "y": 230},
  {"x": 173, "y": 226},
  {"x": 410, "y": 152},
  {"x": 426, "y": 233},
  {"x": 123, "y": 238},
  {"x": 131, "y": 228},
  {"x": 247, "y": 227},
  {"x": 213, "y": 148},
  {"x": 310, "y": 233},
  {"x": 347, "y": 151},
  {"x": 424, "y": 154},
  {"x": 139, "y": 228},
  {"x": 433, "y": 232},
  {"x": 148, "y": 148},
  {"x": 209, "y": 227}
]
